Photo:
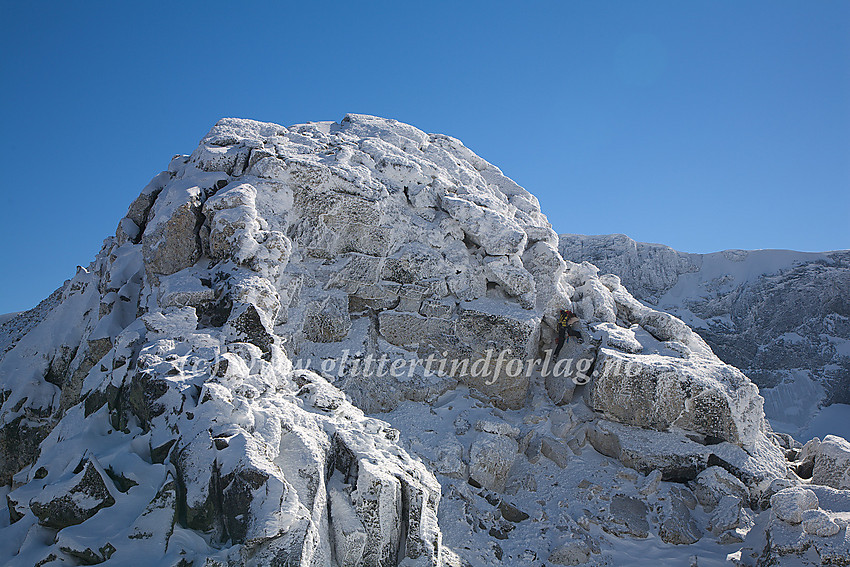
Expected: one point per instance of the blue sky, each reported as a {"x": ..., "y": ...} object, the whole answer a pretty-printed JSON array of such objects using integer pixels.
[{"x": 702, "y": 125}]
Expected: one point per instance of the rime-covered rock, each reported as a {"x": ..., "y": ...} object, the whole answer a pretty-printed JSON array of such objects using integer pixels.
[
  {"x": 715, "y": 483},
  {"x": 674, "y": 454},
  {"x": 819, "y": 523},
  {"x": 676, "y": 524},
  {"x": 832, "y": 462},
  {"x": 789, "y": 504},
  {"x": 697, "y": 394},
  {"x": 163, "y": 360},
  {"x": 727, "y": 515},
  {"x": 680, "y": 458},
  {"x": 813, "y": 540}
]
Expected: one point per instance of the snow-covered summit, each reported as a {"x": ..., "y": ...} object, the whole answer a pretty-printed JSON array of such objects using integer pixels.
[{"x": 196, "y": 395}]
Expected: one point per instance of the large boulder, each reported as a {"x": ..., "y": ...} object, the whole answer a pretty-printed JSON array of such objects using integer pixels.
[
  {"x": 75, "y": 500},
  {"x": 832, "y": 462},
  {"x": 819, "y": 523},
  {"x": 490, "y": 460},
  {"x": 789, "y": 504},
  {"x": 661, "y": 392},
  {"x": 810, "y": 539},
  {"x": 715, "y": 483},
  {"x": 675, "y": 455},
  {"x": 680, "y": 458}
]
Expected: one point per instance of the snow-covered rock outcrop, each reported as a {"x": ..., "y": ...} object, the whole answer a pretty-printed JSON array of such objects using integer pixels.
[
  {"x": 153, "y": 413},
  {"x": 782, "y": 317},
  {"x": 197, "y": 394}
]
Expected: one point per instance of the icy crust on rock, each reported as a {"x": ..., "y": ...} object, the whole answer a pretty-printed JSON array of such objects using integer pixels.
[{"x": 157, "y": 406}]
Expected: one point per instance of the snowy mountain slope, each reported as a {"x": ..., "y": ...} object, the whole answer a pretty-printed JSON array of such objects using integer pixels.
[
  {"x": 783, "y": 317},
  {"x": 13, "y": 326},
  {"x": 191, "y": 397}
]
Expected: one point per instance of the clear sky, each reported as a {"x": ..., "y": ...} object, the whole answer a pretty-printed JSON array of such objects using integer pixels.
[{"x": 704, "y": 125}]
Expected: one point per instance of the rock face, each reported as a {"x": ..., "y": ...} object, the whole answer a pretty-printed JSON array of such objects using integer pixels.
[
  {"x": 782, "y": 317},
  {"x": 405, "y": 238},
  {"x": 196, "y": 395}
]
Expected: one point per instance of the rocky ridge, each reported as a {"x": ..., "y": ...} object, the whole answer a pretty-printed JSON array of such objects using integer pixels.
[
  {"x": 780, "y": 316},
  {"x": 175, "y": 399}
]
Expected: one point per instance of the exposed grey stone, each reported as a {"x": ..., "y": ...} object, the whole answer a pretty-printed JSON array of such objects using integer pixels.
[
  {"x": 676, "y": 456},
  {"x": 173, "y": 243},
  {"x": 76, "y": 500},
  {"x": 19, "y": 442},
  {"x": 490, "y": 459},
  {"x": 712, "y": 399},
  {"x": 712, "y": 484},
  {"x": 327, "y": 321},
  {"x": 629, "y": 516},
  {"x": 408, "y": 329},
  {"x": 575, "y": 552},
  {"x": 555, "y": 451},
  {"x": 486, "y": 327},
  {"x": 436, "y": 308},
  {"x": 559, "y": 388},
  {"x": 511, "y": 513},
  {"x": 450, "y": 461},
  {"x": 832, "y": 463},
  {"x": 726, "y": 516},
  {"x": 819, "y": 523},
  {"x": 677, "y": 526}
]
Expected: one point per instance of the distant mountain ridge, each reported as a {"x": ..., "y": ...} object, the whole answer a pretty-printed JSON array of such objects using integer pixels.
[{"x": 783, "y": 317}]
